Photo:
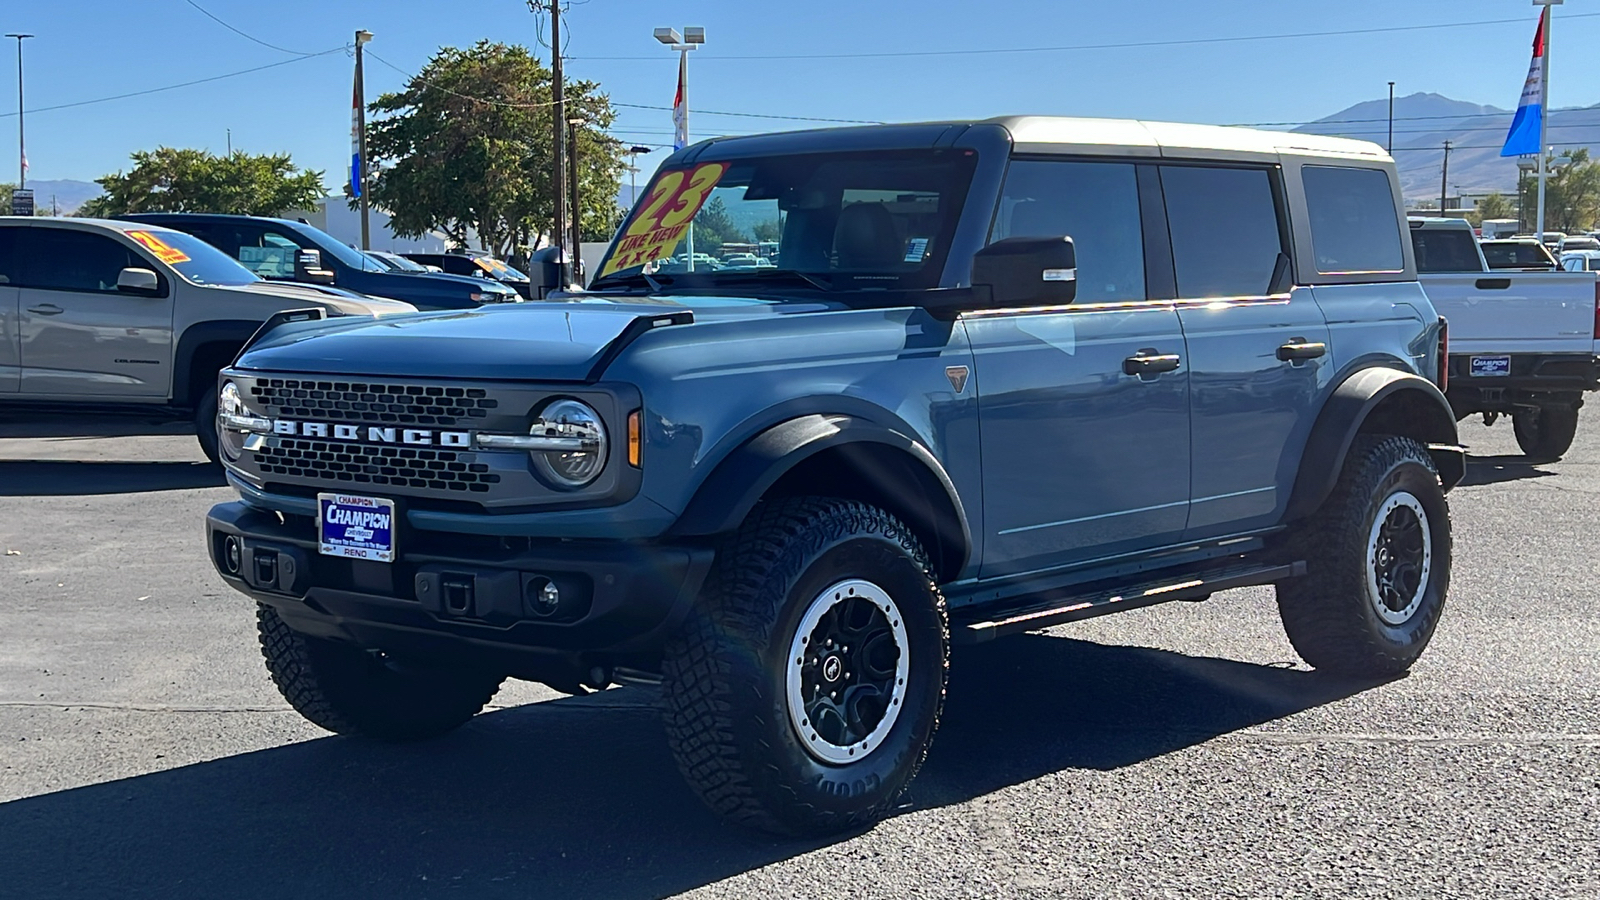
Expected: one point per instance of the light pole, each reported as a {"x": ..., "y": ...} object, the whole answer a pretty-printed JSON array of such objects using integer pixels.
[
  {"x": 691, "y": 38},
  {"x": 22, "y": 144},
  {"x": 633, "y": 174},
  {"x": 1390, "y": 146},
  {"x": 1544, "y": 101},
  {"x": 358, "y": 171},
  {"x": 573, "y": 124}
]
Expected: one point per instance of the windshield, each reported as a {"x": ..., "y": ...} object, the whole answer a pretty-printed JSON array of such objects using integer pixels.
[
  {"x": 499, "y": 269},
  {"x": 400, "y": 263},
  {"x": 195, "y": 260},
  {"x": 849, "y": 221}
]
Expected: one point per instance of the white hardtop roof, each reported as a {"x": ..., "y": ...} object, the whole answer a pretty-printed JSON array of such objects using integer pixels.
[{"x": 1175, "y": 139}]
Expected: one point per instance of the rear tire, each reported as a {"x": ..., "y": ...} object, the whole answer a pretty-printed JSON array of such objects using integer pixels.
[
  {"x": 1545, "y": 434},
  {"x": 1378, "y": 563},
  {"x": 348, "y": 690},
  {"x": 805, "y": 688}
]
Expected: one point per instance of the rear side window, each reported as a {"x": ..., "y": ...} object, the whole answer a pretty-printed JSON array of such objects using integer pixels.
[
  {"x": 1225, "y": 231},
  {"x": 1445, "y": 250},
  {"x": 1354, "y": 227},
  {"x": 9, "y": 257},
  {"x": 1097, "y": 205}
]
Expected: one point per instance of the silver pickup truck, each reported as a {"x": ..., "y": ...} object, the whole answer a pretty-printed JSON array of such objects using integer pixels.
[
  {"x": 1522, "y": 344},
  {"x": 113, "y": 318}
]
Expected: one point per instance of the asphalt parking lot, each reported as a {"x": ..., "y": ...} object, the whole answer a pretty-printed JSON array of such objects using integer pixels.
[{"x": 1172, "y": 752}]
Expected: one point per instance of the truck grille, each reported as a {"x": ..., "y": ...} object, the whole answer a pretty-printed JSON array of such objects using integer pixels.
[
  {"x": 439, "y": 470},
  {"x": 395, "y": 404}
]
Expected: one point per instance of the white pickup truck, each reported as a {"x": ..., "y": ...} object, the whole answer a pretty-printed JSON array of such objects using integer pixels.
[{"x": 1521, "y": 343}]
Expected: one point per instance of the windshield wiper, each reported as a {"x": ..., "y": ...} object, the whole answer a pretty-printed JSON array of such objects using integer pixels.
[
  {"x": 636, "y": 279},
  {"x": 724, "y": 275}
]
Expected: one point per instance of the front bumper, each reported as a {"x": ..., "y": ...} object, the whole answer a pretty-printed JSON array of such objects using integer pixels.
[{"x": 457, "y": 597}]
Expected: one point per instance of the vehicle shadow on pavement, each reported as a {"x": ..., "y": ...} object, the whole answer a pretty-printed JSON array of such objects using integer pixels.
[
  {"x": 42, "y": 478},
  {"x": 1482, "y": 470},
  {"x": 579, "y": 797}
]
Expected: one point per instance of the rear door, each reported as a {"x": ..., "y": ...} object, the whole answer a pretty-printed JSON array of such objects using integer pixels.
[
  {"x": 81, "y": 337},
  {"x": 1081, "y": 459},
  {"x": 1256, "y": 357},
  {"x": 10, "y": 309}
]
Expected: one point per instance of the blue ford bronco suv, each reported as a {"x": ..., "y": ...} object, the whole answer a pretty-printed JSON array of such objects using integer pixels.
[{"x": 1001, "y": 375}]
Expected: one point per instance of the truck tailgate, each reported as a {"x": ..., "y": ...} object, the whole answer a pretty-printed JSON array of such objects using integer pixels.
[{"x": 1516, "y": 312}]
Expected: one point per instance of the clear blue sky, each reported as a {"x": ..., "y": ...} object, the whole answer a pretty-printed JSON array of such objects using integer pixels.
[{"x": 87, "y": 49}]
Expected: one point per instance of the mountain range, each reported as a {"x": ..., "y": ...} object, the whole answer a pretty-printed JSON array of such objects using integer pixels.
[{"x": 1423, "y": 122}]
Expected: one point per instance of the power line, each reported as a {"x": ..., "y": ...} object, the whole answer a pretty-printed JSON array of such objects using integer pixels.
[
  {"x": 712, "y": 112},
  {"x": 1126, "y": 45},
  {"x": 173, "y": 87},
  {"x": 249, "y": 37}
]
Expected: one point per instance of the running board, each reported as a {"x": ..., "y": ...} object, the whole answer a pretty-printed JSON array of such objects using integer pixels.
[{"x": 1058, "y": 609}]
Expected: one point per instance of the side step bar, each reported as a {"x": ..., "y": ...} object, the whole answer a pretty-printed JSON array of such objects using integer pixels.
[{"x": 1058, "y": 609}]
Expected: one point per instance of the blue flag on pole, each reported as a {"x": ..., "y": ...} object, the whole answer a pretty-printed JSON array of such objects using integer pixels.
[
  {"x": 1524, "y": 135},
  {"x": 355, "y": 140}
]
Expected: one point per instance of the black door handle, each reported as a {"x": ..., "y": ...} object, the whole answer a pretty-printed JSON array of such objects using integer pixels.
[
  {"x": 1493, "y": 284},
  {"x": 1150, "y": 362},
  {"x": 1300, "y": 349},
  {"x": 46, "y": 309}
]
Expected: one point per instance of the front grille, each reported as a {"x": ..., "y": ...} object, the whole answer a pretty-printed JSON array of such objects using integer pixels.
[
  {"x": 439, "y": 470},
  {"x": 344, "y": 401}
]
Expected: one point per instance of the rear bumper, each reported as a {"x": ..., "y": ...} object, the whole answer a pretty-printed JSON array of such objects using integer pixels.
[
  {"x": 473, "y": 599},
  {"x": 1534, "y": 379}
]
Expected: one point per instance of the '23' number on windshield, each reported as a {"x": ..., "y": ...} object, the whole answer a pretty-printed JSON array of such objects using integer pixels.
[{"x": 676, "y": 198}]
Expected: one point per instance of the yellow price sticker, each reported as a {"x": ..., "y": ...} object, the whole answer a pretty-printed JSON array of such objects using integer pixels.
[
  {"x": 165, "y": 252},
  {"x": 664, "y": 216}
]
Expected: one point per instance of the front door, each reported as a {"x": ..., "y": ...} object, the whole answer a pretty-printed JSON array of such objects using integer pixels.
[
  {"x": 81, "y": 337},
  {"x": 1081, "y": 459},
  {"x": 1257, "y": 356}
]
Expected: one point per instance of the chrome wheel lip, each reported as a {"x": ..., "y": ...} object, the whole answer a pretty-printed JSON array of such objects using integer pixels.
[
  {"x": 817, "y": 746},
  {"x": 1396, "y": 501}
]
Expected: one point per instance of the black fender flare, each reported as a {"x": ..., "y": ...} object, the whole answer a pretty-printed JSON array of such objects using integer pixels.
[
  {"x": 221, "y": 333},
  {"x": 744, "y": 476},
  {"x": 1427, "y": 418}
]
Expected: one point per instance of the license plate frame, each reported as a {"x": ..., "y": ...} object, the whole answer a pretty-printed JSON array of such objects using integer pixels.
[
  {"x": 356, "y": 527},
  {"x": 1496, "y": 366}
]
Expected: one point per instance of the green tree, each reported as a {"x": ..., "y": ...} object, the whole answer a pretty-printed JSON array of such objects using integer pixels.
[
  {"x": 1572, "y": 194},
  {"x": 1495, "y": 206},
  {"x": 767, "y": 230},
  {"x": 465, "y": 150},
  {"x": 169, "y": 179},
  {"x": 713, "y": 227}
]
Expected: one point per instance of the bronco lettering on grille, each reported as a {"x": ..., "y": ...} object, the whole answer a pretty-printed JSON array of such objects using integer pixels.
[{"x": 413, "y": 437}]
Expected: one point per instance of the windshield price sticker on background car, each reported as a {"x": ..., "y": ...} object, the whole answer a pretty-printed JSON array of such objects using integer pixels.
[
  {"x": 165, "y": 252},
  {"x": 664, "y": 218}
]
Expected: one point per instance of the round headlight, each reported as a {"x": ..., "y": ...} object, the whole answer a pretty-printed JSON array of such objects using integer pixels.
[
  {"x": 230, "y": 403},
  {"x": 577, "y": 467}
]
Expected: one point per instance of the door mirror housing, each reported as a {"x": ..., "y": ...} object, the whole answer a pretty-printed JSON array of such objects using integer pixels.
[
  {"x": 308, "y": 268},
  {"x": 139, "y": 281},
  {"x": 1027, "y": 271}
]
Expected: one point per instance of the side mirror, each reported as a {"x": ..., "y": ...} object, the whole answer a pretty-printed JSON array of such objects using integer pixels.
[
  {"x": 308, "y": 268},
  {"x": 1027, "y": 271},
  {"x": 138, "y": 281}
]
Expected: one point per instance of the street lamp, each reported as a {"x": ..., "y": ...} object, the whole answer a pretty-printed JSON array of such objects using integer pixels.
[
  {"x": 633, "y": 173},
  {"x": 22, "y": 145},
  {"x": 574, "y": 123},
  {"x": 358, "y": 172},
  {"x": 691, "y": 38}
]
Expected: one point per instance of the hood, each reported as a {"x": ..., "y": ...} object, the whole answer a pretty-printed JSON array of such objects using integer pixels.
[
  {"x": 549, "y": 340},
  {"x": 333, "y": 299}
]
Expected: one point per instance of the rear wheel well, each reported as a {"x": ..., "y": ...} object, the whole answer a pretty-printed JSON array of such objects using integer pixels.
[
  {"x": 892, "y": 480},
  {"x": 1412, "y": 414}
]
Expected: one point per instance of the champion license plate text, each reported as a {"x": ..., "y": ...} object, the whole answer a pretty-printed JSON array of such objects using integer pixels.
[{"x": 355, "y": 527}]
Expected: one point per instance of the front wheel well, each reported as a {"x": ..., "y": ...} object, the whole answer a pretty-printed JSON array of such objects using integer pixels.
[
  {"x": 207, "y": 361},
  {"x": 892, "y": 480}
]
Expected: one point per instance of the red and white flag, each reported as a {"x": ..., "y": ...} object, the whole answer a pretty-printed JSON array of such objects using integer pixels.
[
  {"x": 1523, "y": 138},
  {"x": 680, "y": 107}
]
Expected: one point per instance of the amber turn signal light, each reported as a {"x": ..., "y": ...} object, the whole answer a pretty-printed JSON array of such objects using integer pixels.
[{"x": 635, "y": 439}]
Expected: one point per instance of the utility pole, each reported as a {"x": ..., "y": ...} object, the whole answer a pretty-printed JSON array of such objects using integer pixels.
[
  {"x": 359, "y": 175},
  {"x": 22, "y": 144},
  {"x": 1444, "y": 180},
  {"x": 558, "y": 119},
  {"x": 1390, "y": 145},
  {"x": 573, "y": 125}
]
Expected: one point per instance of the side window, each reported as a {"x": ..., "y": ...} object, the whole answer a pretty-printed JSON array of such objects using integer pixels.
[
  {"x": 10, "y": 259},
  {"x": 68, "y": 260},
  {"x": 1225, "y": 231},
  {"x": 1445, "y": 250},
  {"x": 1354, "y": 227},
  {"x": 1096, "y": 204}
]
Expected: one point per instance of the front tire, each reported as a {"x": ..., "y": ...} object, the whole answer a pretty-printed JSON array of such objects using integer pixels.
[
  {"x": 803, "y": 693},
  {"x": 1545, "y": 434},
  {"x": 1378, "y": 558},
  {"x": 205, "y": 424},
  {"x": 348, "y": 690}
]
